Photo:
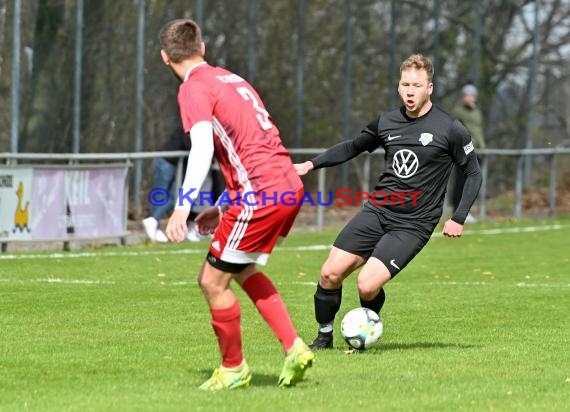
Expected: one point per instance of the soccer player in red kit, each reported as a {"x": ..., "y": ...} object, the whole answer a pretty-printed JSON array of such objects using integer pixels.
[{"x": 225, "y": 118}]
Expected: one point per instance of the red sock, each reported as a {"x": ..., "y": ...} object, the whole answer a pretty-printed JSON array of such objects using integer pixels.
[
  {"x": 271, "y": 307},
  {"x": 227, "y": 326}
]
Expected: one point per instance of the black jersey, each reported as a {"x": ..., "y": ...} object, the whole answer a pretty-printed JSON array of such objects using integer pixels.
[{"x": 419, "y": 155}]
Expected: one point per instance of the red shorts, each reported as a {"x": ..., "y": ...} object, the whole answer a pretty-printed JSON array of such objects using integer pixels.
[{"x": 247, "y": 234}]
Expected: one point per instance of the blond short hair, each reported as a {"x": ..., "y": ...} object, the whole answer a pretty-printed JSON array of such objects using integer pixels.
[{"x": 418, "y": 62}]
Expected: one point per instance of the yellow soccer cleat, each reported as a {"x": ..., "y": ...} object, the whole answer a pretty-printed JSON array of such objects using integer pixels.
[
  {"x": 228, "y": 378},
  {"x": 299, "y": 358}
]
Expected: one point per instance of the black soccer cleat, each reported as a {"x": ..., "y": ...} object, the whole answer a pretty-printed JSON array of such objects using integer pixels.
[{"x": 322, "y": 341}]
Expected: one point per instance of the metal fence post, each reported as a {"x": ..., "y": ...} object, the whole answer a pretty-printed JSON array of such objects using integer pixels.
[
  {"x": 321, "y": 189},
  {"x": 483, "y": 191},
  {"x": 78, "y": 77},
  {"x": 300, "y": 73},
  {"x": 347, "y": 88},
  {"x": 366, "y": 173},
  {"x": 552, "y": 188},
  {"x": 15, "y": 113},
  {"x": 139, "y": 104},
  {"x": 519, "y": 186},
  {"x": 180, "y": 171}
]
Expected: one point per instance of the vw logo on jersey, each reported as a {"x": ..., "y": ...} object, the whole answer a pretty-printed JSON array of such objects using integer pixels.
[
  {"x": 405, "y": 163},
  {"x": 426, "y": 138}
]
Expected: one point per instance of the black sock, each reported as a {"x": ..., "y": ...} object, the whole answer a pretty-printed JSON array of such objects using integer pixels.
[
  {"x": 327, "y": 304},
  {"x": 376, "y": 303}
]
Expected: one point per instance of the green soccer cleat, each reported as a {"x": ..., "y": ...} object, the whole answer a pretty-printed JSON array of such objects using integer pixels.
[
  {"x": 228, "y": 378},
  {"x": 299, "y": 358}
]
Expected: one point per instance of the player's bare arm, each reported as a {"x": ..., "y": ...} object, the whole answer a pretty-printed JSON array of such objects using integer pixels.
[{"x": 199, "y": 160}]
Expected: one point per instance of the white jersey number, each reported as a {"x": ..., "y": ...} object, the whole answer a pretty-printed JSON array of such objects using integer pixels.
[{"x": 263, "y": 115}]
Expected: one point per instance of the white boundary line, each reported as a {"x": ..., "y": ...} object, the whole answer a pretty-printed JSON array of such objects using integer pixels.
[
  {"x": 73, "y": 255},
  {"x": 471, "y": 283},
  {"x": 501, "y": 231},
  {"x": 518, "y": 284},
  {"x": 91, "y": 282},
  {"x": 309, "y": 248}
]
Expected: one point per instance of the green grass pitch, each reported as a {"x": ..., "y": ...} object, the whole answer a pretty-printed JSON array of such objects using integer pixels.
[{"x": 480, "y": 323}]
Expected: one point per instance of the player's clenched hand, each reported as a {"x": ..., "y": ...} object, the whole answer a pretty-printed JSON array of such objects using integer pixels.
[
  {"x": 452, "y": 229},
  {"x": 177, "y": 228},
  {"x": 208, "y": 220},
  {"x": 304, "y": 168}
]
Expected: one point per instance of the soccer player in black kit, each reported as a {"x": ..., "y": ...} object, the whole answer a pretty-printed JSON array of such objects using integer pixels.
[{"x": 421, "y": 143}]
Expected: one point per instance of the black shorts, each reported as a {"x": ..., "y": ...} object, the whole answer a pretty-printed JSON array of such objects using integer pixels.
[
  {"x": 369, "y": 233},
  {"x": 224, "y": 266}
]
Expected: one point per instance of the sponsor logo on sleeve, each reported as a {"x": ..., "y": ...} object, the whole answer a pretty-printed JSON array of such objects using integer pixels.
[{"x": 468, "y": 148}]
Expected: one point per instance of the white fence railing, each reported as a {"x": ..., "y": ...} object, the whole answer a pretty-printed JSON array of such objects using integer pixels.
[{"x": 552, "y": 155}]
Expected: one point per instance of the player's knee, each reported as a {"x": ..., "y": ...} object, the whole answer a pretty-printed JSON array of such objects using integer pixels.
[
  {"x": 202, "y": 282},
  {"x": 368, "y": 287},
  {"x": 331, "y": 276},
  {"x": 209, "y": 285},
  {"x": 367, "y": 292}
]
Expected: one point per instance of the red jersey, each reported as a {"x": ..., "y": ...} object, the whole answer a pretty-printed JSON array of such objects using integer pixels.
[{"x": 247, "y": 144}]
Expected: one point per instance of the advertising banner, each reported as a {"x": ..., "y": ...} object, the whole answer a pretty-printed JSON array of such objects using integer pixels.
[
  {"x": 49, "y": 204},
  {"x": 95, "y": 202},
  {"x": 15, "y": 203}
]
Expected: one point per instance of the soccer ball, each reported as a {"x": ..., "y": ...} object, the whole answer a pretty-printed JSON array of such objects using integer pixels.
[{"x": 361, "y": 328}]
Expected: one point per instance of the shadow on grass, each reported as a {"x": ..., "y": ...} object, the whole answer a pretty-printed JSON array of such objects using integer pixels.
[
  {"x": 422, "y": 345},
  {"x": 258, "y": 379},
  {"x": 262, "y": 379}
]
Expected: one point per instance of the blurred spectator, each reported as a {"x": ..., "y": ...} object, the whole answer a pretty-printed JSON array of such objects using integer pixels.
[
  {"x": 471, "y": 116},
  {"x": 165, "y": 178}
]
